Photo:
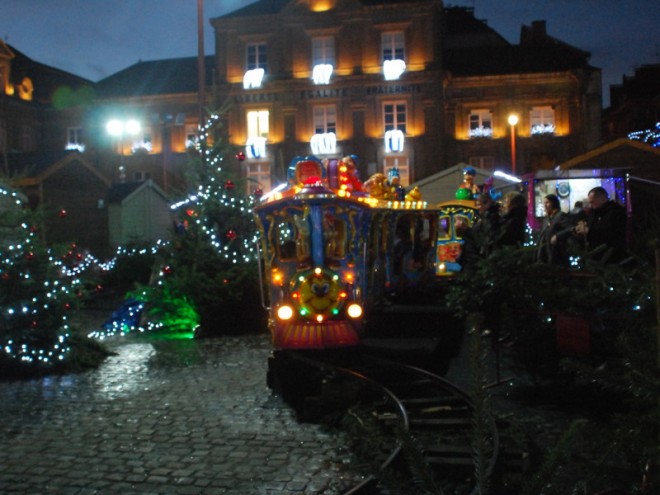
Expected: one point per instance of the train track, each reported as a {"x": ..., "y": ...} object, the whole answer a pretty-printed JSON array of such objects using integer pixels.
[{"x": 431, "y": 436}]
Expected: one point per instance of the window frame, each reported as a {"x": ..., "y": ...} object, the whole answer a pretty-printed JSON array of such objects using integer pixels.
[
  {"x": 257, "y": 50},
  {"x": 392, "y": 46},
  {"x": 483, "y": 115}
]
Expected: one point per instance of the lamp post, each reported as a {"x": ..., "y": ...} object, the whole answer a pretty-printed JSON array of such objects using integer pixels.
[
  {"x": 118, "y": 128},
  {"x": 513, "y": 120}
]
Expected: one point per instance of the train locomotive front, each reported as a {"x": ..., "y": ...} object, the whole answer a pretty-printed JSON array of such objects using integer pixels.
[{"x": 314, "y": 257}]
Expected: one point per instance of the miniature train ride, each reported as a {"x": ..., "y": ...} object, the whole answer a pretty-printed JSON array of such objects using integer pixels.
[{"x": 333, "y": 248}]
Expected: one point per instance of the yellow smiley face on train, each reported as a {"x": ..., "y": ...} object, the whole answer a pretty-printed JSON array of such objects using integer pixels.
[{"x": 320, "y": 292}]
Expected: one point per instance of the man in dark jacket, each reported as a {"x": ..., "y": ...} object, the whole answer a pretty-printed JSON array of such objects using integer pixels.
[{"x": 605, "y": 226}]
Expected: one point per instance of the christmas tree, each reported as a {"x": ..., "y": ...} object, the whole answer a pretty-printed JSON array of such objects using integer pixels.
[
  {"x": 207, "y": 275},
  {"x": 37, "y": 296}
]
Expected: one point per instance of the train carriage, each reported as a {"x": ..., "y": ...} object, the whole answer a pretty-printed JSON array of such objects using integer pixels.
[{"x": 330, "y": 255}]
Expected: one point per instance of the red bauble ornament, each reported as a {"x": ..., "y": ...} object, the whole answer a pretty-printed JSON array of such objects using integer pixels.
[
  {"x": 240, "y": 156},
  {"x": 229, "y": 185},
  {"x": 63, "y": 213},
  {"x": 231, "y": 235},
  {"x": 167, "y": 270},
  {"x": 258, "y": 192},
  {"x": 29, "y": 256}
]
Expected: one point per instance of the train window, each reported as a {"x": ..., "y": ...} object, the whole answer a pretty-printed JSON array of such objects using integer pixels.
[
  {"x": 461, "y": 222},
  {"x": 284, "y": 240},
  {"x": 334, "y": 235},
  {"x": 291, "y": 238},
  {"x": 444, "y": 230}
]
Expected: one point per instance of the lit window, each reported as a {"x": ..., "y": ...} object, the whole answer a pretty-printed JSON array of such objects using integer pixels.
[
  {"x": 257, "y": 133},
  {"x": 394, "y": 116},
  {"x": 258, "y": 177},
  {"x": 481, "y": 123},
  {"x": 325, "y": 119},
  {"x": 542, "y": 120},
  {"x": 256, "y": 56},
  {"x": 400, "y": 163},
  {"x": 324, "y": 139},
  {"x": 323, "y": 50},
  {"x": 143, "y": 142},
  {"x": 393, "y": 55},
  {"x": 393, "y": 46},
  {"x": 257, "y": 123},
  {"x": 192, "y": 137},
  {"x": 74, "y": 139}
]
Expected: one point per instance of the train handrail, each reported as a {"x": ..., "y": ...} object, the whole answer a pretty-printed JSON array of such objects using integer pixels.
[{"x": 261, "y": 278}]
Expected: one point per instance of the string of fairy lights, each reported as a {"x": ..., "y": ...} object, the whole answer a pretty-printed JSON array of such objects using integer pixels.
[
  {"x": 54, "y": 293},
  {"x": 648, "y": 136}
]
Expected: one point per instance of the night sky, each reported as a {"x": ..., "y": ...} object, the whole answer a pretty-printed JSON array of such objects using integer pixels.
[{"x": 96, "y": 38}]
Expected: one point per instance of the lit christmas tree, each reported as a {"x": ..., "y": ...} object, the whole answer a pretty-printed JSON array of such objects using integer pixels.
[
  {"x": 37, "y": 297},
  {"x": 208, "y": 273}
]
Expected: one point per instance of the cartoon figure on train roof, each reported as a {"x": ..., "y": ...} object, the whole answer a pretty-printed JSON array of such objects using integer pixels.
[
  {"x": 310, "y": 174},
  {"x": 468, "y": 189}
]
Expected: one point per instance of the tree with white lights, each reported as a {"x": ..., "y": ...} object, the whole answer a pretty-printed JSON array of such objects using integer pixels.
[
  {"x": 207, "y": 274},
  {"x": 36, "y": 296}
]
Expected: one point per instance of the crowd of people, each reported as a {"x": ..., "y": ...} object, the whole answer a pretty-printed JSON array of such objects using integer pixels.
[{"x": 598, "y": 229}]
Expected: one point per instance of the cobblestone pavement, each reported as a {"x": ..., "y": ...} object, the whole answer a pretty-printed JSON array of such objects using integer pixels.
[{"x": 165, "y": 417}]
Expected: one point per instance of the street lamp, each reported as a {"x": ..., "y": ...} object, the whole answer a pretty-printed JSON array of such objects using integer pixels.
[
  {"x": 118, "y": 128},
  {"x": 513, "y": 120}
]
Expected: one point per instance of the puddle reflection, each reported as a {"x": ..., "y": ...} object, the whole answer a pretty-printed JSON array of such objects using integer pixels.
[{"x": 126, "y": 372}]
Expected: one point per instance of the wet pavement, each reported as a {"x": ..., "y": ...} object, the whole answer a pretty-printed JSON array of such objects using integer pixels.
[{"x": 165, "y": 417}]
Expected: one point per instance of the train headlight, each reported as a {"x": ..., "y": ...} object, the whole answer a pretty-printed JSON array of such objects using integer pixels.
[
  {"x": 354, "y": 310},
  {"x": 285, "y": 312}
]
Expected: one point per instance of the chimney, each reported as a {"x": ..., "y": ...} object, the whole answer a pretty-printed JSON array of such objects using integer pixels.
[{"x": 538, "y": 29}]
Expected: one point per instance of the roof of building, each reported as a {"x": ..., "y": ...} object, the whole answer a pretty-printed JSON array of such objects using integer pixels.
[
  {"x": 266, "y": 7},
  {"x": 46, "y": 80},
  {"x": 623, "y": 153},
  {"x": 537, "y": 52},
  {"x": 123, "y": 191},
  {"x": 157, "y": 77}
]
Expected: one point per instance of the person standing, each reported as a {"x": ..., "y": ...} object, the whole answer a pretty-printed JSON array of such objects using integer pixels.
[
  {"x": 605, "y": 226},
  {"x": 555, "y": 231},
  {"x": 513, "y": 222},
  {"x": 478, "y": 239}
]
